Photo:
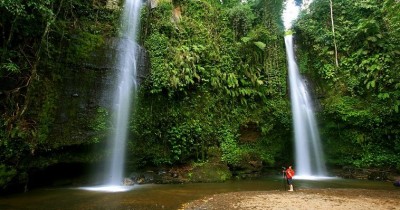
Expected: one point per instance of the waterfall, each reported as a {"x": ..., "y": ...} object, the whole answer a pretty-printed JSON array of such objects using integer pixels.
[
  {"x": 308, "y": 151},
  {"x": 309, "y": 157},
  {"x": 124, "y": 96},
  {"x": 125, "y": 89}
]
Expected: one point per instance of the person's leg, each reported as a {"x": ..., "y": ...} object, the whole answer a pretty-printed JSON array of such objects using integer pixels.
[{"x": 290, "y": 185}]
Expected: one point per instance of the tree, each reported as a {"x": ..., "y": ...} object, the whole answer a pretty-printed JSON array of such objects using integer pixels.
[{"x": 333, "y": 33}]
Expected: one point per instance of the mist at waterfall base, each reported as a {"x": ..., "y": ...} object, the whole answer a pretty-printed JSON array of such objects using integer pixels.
[
  {"x": 309, "y": 158},
  {"x": 124, "y": 95}
]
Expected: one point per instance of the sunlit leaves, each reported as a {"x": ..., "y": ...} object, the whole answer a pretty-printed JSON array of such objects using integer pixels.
[
  {"x": 231, "y": 80},
  {"x": 383, "y": 95},
  {"x": 260, "y": 45}
]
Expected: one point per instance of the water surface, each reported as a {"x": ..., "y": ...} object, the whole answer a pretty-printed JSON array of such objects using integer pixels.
[{"x": 165, "y": 196}]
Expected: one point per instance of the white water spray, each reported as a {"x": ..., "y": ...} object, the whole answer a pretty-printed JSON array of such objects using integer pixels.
[
  {"x": 309, "y": 158},
  {"x": 125, "y": 90}
]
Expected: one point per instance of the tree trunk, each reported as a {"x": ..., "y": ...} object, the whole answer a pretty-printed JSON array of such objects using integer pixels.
[{"x": 333, "y": 33}]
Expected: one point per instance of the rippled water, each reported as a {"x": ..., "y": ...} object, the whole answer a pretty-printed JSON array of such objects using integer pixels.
[{"x": 166, "y": 196}]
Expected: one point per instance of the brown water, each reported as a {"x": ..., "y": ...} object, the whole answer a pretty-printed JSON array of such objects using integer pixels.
[{"x": 171, "y": 196}]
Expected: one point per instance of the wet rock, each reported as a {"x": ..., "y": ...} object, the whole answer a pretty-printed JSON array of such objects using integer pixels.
[
  {"x": 142, "y": 177},
  {"x": 128, "y": 182},
  {"x": 174, "y": 175},
  {"x": 377, "y": 175}
]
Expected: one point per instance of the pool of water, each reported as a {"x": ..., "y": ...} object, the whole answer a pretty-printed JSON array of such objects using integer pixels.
[{"x": 165, "y": 196}]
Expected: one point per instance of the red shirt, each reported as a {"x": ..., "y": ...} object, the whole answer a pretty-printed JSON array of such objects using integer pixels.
[{"x": 289, "y": 173}]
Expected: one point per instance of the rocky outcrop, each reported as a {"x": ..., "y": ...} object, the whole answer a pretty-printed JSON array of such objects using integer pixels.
[
  {"x": 365, "y": 173},
  {"x": 106, "y": 57},
  {"x": 249, "y": 133},
  {"x": 192, "y": 173}
]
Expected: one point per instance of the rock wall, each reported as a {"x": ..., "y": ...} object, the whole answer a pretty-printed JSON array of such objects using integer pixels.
[{"x": 87, "y": 91}]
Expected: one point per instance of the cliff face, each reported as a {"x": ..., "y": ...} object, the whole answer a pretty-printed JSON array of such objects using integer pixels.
[
  {"x": 56, "y": 102},
  {"x": 86, "y": 94}
]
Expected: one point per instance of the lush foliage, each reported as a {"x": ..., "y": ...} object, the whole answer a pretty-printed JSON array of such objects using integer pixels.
[
  {"x": 214, "y": 68},
  {"x": 41, "y": 40},
  {"x": 217, "y": 88},
  {"x": 360, "y": 97}
]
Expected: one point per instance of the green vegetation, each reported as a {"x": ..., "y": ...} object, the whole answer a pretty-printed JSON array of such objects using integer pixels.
[
  {"x": 361, "y": 96},
  {"x": 209, "y": 172},
  {"x": 214, "y": 69},
  {"x": 42, "y": 43},
  {"x": 216, "y": 94}
]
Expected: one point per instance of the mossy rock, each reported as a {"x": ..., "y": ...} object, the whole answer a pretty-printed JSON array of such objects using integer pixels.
[{"x": 209, "y": 172}]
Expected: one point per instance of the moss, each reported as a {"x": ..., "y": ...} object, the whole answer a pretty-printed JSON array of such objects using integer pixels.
[
  {"x": 209, "y": 172},
  {"x": 6, "y": 175}
]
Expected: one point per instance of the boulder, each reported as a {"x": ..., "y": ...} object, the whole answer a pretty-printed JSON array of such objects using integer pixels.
[
  {"x": 128, "y": 182},
  {"x": 396, "y": 183}
]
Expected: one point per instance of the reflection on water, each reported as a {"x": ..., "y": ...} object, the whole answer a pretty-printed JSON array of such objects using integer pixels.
[{"x": 146, "y": 197}]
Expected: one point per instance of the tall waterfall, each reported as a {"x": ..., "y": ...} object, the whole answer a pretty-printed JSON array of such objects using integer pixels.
[
  {"x": 125, "y": 89},
  {"x": 309, "y": 156},
  {"x": 124, "y": 96}
]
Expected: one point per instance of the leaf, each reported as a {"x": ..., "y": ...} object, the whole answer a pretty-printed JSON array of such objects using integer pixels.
[
  {"x": 373, "y": 83},
  {"x": 245, "y": 39},
  {"x": 10, "y": 66},
  {"x": 260, "y": 45},
  {"x": 372, "y": 38},
  {"x": 383, "y": 95}
]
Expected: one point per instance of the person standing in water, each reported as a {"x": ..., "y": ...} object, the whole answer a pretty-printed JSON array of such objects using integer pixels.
[{"x": 289, "y": 172}]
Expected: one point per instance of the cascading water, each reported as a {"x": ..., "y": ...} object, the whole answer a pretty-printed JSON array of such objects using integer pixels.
[
  {"x": 126, "y": 88},
  {"x": 125, "y": 91},
  {"x": 309, "y": 158}
]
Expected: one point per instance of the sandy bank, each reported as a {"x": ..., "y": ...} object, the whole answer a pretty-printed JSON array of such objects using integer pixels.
[{"x": 306, "y": 199}]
